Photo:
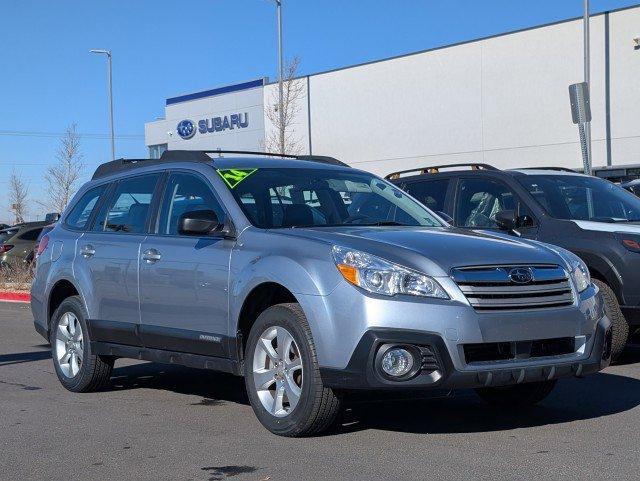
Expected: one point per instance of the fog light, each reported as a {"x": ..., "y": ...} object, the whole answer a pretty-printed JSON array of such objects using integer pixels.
[{"x": 397, "y": 362}]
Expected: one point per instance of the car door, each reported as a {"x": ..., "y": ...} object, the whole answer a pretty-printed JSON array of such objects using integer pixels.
[
  {"x": 184, "y": 279},
  {"x": 479, "y": 199},
  {"x": 108, "y": 256}
]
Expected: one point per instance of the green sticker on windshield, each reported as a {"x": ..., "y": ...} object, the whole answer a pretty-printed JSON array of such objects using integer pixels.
[{"x": 232, "y": 177}]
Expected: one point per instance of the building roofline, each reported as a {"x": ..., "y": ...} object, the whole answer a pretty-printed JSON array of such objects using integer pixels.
[
  {"x": 217, "y": 91},
  {"x": 465, "y": 42}
]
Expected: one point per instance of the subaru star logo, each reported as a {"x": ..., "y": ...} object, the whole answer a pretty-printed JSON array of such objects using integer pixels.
[
  {"x": 521, "y": 275},
  {"x": 186, "y": 129}
]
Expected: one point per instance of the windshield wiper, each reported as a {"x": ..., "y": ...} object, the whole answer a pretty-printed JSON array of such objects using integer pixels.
[{"x": 382, "y": 223}]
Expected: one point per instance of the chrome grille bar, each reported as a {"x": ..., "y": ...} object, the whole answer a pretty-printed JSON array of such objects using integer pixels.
[{"x": 491, "y": 288}]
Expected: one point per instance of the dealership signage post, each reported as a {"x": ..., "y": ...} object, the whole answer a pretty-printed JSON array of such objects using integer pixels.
[{"x": 581, "y": 115}]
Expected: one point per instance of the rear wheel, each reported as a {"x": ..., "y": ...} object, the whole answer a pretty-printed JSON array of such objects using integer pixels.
[
  {"x": 282, "y": 375},
  {"x": 619, "y": 325},
  {"x": 78, "y": 369},
  {"x": 518, "y": 395}
]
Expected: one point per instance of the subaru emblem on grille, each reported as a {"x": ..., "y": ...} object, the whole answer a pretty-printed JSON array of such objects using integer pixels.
[{"x": 521, "y": 275}]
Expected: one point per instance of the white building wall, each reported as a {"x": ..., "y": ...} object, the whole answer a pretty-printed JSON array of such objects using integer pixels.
[{"x": 502, "y": 100}]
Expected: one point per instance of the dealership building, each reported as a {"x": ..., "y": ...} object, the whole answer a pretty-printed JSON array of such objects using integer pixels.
[{"x": 501, "y": 100}]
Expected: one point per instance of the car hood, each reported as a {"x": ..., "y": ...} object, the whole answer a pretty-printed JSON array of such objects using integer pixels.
[{"x": 434, "y": 250}]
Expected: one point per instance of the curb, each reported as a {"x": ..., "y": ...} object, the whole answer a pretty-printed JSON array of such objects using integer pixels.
[{"x": 10, "y": 296}]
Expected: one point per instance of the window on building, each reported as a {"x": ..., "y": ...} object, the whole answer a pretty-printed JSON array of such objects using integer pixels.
[{"x": 156, "y": 151}]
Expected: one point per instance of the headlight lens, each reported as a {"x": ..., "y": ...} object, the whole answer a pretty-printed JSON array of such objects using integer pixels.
[
  {"x": 378, "y": 276},
  {"x": 580, "y": 275}
]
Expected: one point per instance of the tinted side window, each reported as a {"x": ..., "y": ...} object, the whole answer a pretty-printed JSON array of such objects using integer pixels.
[
  {"x": 79, "y": 215},
  {"x": 129, "y": 206},
  {"x": 479, "y": 200},
  {"x": 31, "y": 235},
  {"x": 431, "y": 193},
  {"x": 185, "y": 193}
]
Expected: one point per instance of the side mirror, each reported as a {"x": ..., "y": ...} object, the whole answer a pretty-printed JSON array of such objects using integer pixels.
[
  {"x": 198, "y": 222},
  {"x": 52, "y": 217},
  {"x": 506, "y": 219}
]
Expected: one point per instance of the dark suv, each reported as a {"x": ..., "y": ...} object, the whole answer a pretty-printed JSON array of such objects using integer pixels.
[{"x": 594, "y": 218}]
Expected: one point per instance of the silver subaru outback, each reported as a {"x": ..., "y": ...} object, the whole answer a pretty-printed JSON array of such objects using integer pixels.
[{"x": 310, "y": 279}]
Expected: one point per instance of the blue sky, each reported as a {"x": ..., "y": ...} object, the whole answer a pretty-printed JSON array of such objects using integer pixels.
[{"x": 162, "y": 48}]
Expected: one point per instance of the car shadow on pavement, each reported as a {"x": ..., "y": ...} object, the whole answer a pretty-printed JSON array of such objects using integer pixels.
[
  {"x": 595, "y": 396},
  {"x": 212, "y": 386},
  {"x": 20, "y": 357}
]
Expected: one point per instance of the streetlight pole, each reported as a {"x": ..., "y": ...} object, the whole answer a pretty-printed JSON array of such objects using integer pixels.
[
  {"x": 280, "y": 75},
  {"x": 587, "y": 75},
  {"x": 110, "y": 86}
]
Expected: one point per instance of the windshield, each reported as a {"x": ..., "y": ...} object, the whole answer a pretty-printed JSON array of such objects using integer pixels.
[
  {"x": 291, "y": 197},
  {"x": 575, "y": 197}
]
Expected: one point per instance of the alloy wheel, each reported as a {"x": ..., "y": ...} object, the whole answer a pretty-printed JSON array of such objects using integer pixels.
[
  {"x": 69, "y": 348},
  {"x": 277, "y": 371}
]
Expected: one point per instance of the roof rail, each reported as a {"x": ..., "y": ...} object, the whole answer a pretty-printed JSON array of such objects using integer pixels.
[
  {"x": 312, "y": 158},
  {"x": 559, "y": 169},
  {"x": 434, "y": 169},
  {"x": 120, "y": 165}
]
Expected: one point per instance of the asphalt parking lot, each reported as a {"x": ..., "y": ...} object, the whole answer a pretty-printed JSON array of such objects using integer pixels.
[{"x": 168, "y": 422}]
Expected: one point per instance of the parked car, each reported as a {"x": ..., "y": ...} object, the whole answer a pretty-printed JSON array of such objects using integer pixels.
[
  {"x": 591, "y": 217},
  {"x": 310, "y": 279},
  {"x": 17, "y": 243},
  {"x": 632, "y": 186}
]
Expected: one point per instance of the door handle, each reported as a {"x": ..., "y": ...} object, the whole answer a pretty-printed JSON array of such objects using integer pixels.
[
  {"x": 151, "y": 256},
  {"x": 87, "y": 251}
]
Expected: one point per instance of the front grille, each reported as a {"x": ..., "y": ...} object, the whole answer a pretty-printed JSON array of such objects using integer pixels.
[
  {"x": 506, "y": 351},
  {"x": 492, "y": 288}
]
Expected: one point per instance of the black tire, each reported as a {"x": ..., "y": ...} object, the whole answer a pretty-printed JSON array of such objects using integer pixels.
[
  {"x": 619, "y": 325},
  {"x": 95, "y": 371},
  {"x": 518, "y": 395},
  {"x": 318, "y": 406}
]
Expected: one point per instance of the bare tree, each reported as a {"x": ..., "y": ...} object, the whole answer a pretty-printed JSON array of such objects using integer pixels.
[
  {"x": 18, "y": 194},
  {"x": 63, "y": 177},
  {"x": 293, "y": 91}
]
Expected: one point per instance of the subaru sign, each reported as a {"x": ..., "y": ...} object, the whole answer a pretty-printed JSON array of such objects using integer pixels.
[{"x": 187, "y": 128}]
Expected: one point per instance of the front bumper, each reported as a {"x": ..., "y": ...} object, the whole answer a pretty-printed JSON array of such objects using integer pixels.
[{"x": 361, "y": 372}]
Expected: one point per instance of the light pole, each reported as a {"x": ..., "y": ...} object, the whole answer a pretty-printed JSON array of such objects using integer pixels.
[
  {"x": 280, "y": 75},
  {"x": 108, "y": 54},
  {"x": 587, "y": 76}
]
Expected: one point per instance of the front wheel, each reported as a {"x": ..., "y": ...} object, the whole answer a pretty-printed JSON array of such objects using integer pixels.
[
  {"x": 518, "y": 395},
  {"x": 282, "y": 375},
  {"x": 619, "y": 325}
]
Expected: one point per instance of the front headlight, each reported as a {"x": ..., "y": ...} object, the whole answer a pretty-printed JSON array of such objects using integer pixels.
[
  {"x": 580, "y": 275},
  {"x": 379, "y": 276}
]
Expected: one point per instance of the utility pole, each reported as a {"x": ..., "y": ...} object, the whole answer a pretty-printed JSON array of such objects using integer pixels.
[
  {"x": 280, "y": 76},
  {"x": 110, "y": 88},
  {"x": 587, "y": 79}
]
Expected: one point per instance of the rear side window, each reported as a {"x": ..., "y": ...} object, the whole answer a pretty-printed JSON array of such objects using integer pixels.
[
  {"x": 31, "y": 235},
  {"x": 129, "y": 207},
  {"x": 7, "y": 234},
  {"x": 431, "y": 193},
  {"x": 81, "y": 212}
]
